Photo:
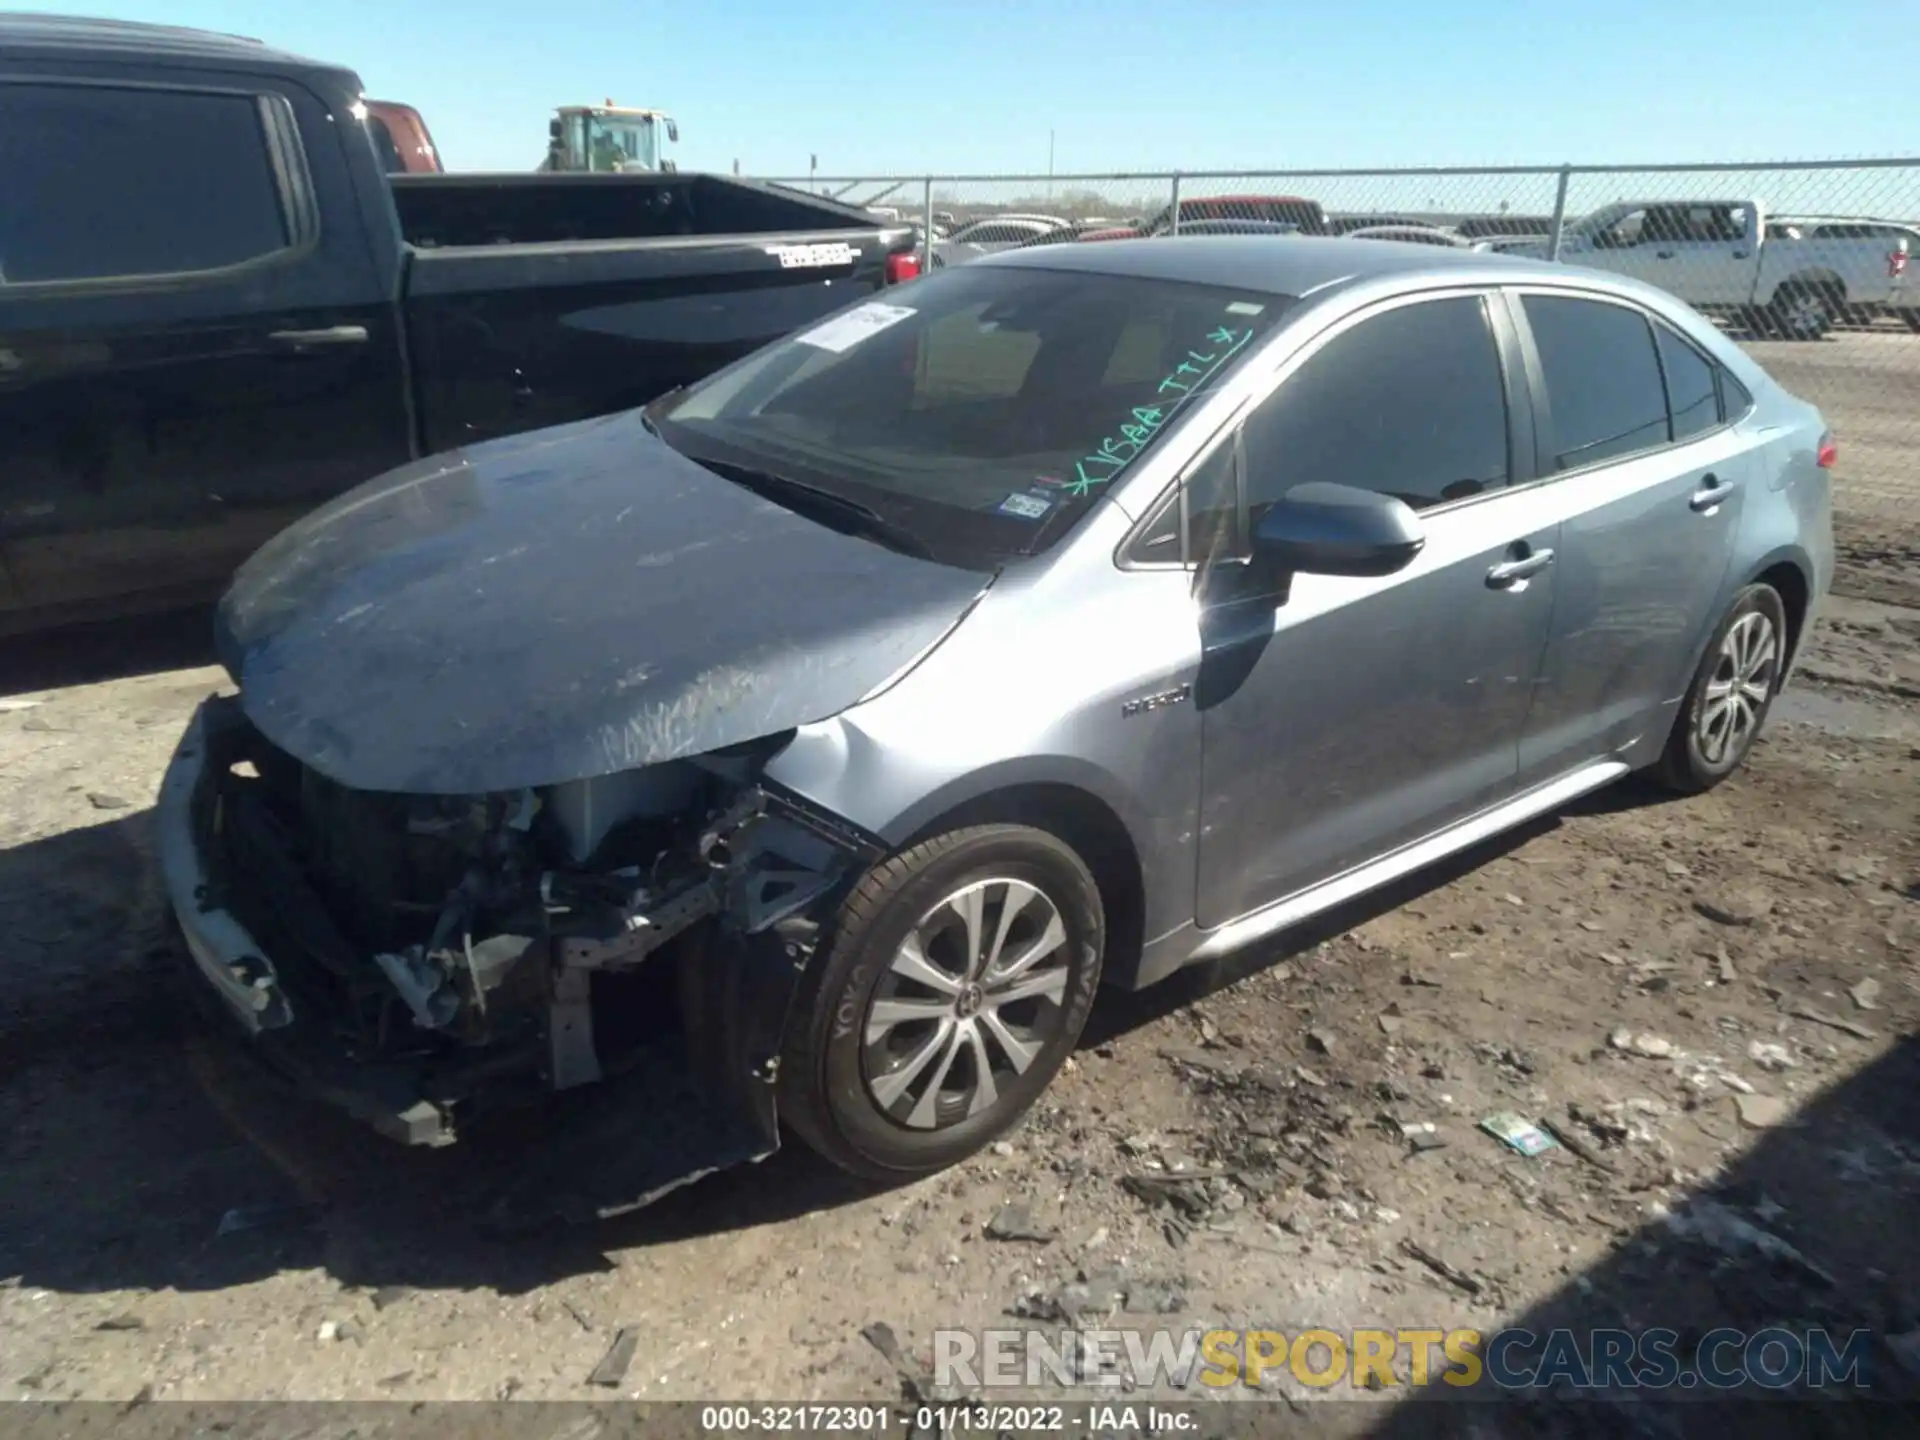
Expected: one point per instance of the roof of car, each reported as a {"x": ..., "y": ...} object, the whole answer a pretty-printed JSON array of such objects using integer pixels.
[
  {"x": 21, "y": 31},
  {"x": 1277, "y": 264}
]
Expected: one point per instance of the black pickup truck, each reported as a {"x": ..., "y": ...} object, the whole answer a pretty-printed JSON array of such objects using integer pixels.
[{"x": 217, "y": 310}]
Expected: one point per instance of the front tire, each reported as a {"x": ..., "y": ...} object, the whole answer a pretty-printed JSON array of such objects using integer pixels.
[
  {"x": 1732, "y": 691},
  {"x": 955, "y": 984}
]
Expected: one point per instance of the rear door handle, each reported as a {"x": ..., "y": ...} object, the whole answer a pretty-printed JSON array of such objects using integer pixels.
[
  {"x": 1663, "y": 254},
  {"x": 1711, "y": 492},
  {"x": 1509, "y": 572},
  {"x": 317, "y": 339}
]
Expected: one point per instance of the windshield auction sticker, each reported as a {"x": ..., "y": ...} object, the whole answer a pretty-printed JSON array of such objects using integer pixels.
[{"x": 843, "y": 332}]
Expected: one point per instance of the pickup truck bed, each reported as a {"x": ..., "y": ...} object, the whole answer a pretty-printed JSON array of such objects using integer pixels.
[
  {"x": 537, "y": 299},
  {"x": 285, "y": 320}
]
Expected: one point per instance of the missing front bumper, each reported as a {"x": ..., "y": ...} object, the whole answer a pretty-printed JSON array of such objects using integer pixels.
[{"x": 700, "y": 1102}]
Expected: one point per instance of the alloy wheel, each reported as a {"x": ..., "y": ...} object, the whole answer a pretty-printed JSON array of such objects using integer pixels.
[
  {"x": 1739, "y": 688},
  {"x": 971, "y": 998}
]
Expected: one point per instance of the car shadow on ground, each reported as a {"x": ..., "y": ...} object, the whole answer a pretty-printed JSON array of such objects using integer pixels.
[
  {"x": 140, "y": 1149},
  {"x": 107, "y": 650},
  {"x": 1809, "y": 1229}
]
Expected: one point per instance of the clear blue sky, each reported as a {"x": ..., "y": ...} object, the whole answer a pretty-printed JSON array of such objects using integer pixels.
[{"x": 907, "y": 86}]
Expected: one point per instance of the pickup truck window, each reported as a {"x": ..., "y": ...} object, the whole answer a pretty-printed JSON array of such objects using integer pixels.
[
  {"x": 103, "y": 182},
  {"x": 1603, "y": 381}
]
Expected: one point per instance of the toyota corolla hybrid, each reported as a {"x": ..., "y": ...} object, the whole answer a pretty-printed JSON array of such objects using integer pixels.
[{"x": 819, "y": 740}]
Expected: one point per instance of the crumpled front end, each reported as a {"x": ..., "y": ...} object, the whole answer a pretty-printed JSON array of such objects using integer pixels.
[{"x": 423, "y": 960}]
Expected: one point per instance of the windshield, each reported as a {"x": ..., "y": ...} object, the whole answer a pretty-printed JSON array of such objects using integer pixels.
[
  {"x": 982, "y": 408},
  {"x": 613, "y": 143}
]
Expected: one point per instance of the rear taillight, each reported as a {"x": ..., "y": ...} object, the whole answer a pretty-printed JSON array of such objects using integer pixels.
[
  {"x": 902, "y": 268},
  {"x": 1897, "y": 262},
  {"x": 1829, "y": 452}
]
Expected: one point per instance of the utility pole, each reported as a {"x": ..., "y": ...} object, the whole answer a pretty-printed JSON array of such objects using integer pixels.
[
  {"x": 1049, "y": 164},
  {"x": 813, "y": 167}
]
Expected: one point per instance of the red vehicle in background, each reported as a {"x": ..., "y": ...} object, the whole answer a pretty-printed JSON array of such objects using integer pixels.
[
  {"x": 1296, "y": 210},
  {"x": 401, "y": 138}
]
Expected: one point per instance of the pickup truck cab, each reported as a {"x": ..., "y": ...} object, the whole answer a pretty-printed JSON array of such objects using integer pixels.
[
  {"x": 1726, "y": 255},
  {"x": 218, "y": 311}
]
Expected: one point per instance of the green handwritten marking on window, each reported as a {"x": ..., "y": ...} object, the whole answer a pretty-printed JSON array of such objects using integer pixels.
[{"x": 1117, "y": 451}]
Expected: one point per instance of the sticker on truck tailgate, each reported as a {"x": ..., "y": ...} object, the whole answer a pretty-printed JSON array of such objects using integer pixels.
[
  {"x": 843, "y": 332},
  {"x": 799, "y": 257}
]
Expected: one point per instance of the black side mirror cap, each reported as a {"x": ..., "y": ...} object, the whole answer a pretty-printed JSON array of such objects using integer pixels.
[{"x": 1326, "y": 529}]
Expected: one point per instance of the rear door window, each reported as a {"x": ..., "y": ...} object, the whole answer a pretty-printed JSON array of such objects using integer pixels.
[
  {"x": 1603, "y": 380},
  {"x": 1692, "y": 395},
  {"x": 101, "y": 182}
]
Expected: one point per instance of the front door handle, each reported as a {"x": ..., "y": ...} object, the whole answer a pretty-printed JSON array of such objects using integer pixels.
[
  {"x": 317, "y": 339},
  {"x": 1509, "y": 573},
  {"x": 1663, "y": 254},
  {"x": 1712, "y": 491}
]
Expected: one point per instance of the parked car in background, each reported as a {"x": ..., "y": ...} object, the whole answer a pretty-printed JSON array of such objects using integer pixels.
[
  {"x": 218, "y": 310},
  {"x": 1091, "y": 616},
  {"x": 1904, "y": 302},
  {"x": 1303, "y": 214},
  {"x": 992, "y": 233},
  {"x": 1347, "y": 224},
  {"x": 1192, "y": 228},
  {"x": 1412, "y": 235},
  {"x": 400, "y": 138},
  {"x": 1503, "y": 226},
  {"x": 1513, "y": 244},
  {"x": 1725, "y": 256}
]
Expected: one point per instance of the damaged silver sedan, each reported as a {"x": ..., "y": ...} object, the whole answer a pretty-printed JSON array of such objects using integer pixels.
[{"x": 808, "y": 747}]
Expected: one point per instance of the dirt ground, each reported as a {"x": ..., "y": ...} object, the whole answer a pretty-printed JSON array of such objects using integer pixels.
[{"x": 1711, "y": 1001}]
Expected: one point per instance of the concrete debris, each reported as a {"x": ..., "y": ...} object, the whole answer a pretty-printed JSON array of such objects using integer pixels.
[
  {"x": 1653, "y": 1047},
  {"x": 1445, "y": 1269},
  {"x": 1771, "y": 1056},
  {"x": 1836, "y": 1022},
  {"x": 1732, "y": 910},
  {"x": 1014, "y": 1221},
  {"x": 614, "y": 1365},
  {"x": 1760, "y": 1112}
]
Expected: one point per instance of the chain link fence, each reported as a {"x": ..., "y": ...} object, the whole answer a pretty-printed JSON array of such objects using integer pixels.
[{"x": 1813, "y": 266}]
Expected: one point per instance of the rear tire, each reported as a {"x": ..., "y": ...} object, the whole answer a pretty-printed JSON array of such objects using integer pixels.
[
  {"x": 1803, "y": 310},
  {"x": 1732, "y": 691},
  {"x": 956, "y": 983}
]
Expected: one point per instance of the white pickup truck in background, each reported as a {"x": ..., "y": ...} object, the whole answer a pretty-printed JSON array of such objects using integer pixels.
[{"x": 1730, "y": 256}]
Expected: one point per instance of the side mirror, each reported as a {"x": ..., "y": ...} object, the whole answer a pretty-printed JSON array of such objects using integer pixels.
[
  {"x": 1323, "y": 529},
  {"x": 553, "y": 128},
  {"x": 673, "y": 132}
]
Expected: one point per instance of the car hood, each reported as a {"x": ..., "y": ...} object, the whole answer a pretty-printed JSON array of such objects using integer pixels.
[{"x": 562, "y": 605}]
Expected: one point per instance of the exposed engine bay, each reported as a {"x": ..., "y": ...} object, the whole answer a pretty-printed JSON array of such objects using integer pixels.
[{"x": 455, "y": 947}]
